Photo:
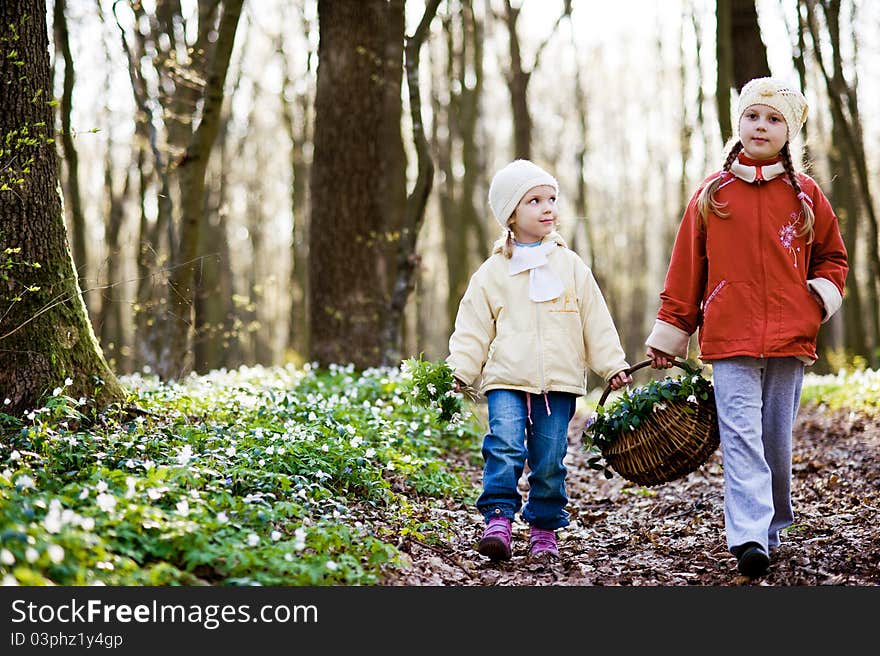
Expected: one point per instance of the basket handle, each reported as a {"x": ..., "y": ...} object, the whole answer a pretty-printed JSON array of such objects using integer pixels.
[{"x": 641, "y": 365}]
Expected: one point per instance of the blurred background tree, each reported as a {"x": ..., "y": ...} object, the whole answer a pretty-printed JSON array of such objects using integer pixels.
[{"x": 278, "y": 233}]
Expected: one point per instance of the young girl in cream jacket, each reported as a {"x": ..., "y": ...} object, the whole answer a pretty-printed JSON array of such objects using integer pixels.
[{"x": 530, "y": 323}]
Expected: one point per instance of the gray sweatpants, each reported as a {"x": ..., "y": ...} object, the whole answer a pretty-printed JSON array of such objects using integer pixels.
[{"x": 757, "y": 400}]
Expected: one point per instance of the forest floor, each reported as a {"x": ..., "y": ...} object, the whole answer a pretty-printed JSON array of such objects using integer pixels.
[{"x": 622, "y": 534}]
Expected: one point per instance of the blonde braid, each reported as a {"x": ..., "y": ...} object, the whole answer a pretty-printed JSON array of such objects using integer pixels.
[
  {"x": 706, "y": 201},
  {"x": 507, "y": 250},
  {"x": 809, "y": 217}
]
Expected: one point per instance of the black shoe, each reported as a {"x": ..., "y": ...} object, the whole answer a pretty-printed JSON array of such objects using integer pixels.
[{"x": 752, "y": 560}]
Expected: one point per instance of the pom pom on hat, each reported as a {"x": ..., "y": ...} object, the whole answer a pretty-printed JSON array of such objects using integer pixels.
[
  {"x": 511, "y": 183},
  {"x": 775, "y": 93}
]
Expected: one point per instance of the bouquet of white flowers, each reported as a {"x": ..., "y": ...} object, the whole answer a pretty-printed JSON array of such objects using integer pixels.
[{"x": 432, "y": 385}]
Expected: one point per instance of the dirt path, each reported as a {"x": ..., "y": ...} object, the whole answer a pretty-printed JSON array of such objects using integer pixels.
[{"x": 673, "y": 534}]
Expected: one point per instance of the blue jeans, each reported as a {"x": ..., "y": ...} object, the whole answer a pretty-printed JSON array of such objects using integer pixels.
[{"x": 513, "y": 440}]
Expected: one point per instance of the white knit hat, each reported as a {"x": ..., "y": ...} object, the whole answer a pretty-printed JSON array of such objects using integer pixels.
[
  {"x": 511, "y": 183},
  {"x": 775, "y": 93}
]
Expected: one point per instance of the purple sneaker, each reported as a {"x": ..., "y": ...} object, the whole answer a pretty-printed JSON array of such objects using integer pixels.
[
  {"x": 541, "y": 542},
  {"x": 495, "y": 542}
]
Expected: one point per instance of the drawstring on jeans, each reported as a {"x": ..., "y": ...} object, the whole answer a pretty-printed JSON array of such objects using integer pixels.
[{"x": 529, "y": 406}]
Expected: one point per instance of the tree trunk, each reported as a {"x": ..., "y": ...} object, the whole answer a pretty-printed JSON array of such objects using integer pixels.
[
  {"x": 452, "y": 226},
  {"x": 724, "y": 70},
  {"x": 463, "y": 233},
  {"x": 149, "y": 302},
  {"x": 689, "y": 118},
  {"x": 146, "y": 299},
  {"x": 518, "y": 78},
  {"x": 741, "y": 54},
  {"x": 749, "y": 51},
  {"x": 346, "y": 298},
  {"x": 297, "y": 117},
  {"x": 844, "y": 199},
  {"x": 583, "y": 236},
  {"x": 216, "y": 341},
  {"x": 256, "y": 334},
  {"x": 175, "y": 358},
  {"x": 393, "y": 180},
  {"x": 800, "y": 64},
  {"x": 407, "y": 258},
  {"x": 110, "y": 323},
  {"x": 470, "y": 74},
  {"x": 45, "y": 333},
  {"x": 845, "y": 114},
  {"x": 71, "y": 159},
  {"x": 518, "y": 84}
]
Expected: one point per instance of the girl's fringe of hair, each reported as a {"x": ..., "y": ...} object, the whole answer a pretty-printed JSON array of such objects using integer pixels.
[{"x": 706, "y": 202}]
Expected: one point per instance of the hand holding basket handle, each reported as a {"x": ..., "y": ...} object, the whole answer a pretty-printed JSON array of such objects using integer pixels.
[
  {"x": 642, "y": 365},
  {"x": 675, "y": 439}
]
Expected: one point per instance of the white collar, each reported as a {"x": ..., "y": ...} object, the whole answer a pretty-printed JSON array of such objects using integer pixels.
[{"x": 756, "y": 172}]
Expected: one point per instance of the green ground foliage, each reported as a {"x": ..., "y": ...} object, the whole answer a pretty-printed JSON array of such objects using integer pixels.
[{"x": 259, "y": 476}]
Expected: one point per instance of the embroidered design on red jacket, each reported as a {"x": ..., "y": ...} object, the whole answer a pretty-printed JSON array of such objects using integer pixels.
[{"x": 787, "y": 233}]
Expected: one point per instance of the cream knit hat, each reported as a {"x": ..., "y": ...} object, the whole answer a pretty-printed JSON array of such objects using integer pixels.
[
  {"x": 775, "y": 93},
  {"x": 511, "y": 183}
]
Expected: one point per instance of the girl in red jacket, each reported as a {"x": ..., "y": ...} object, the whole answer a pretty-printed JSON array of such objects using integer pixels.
[{"x": 758, "y": 264}]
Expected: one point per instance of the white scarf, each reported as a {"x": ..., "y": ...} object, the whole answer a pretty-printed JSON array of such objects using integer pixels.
[{"x": 544, "y": 284}]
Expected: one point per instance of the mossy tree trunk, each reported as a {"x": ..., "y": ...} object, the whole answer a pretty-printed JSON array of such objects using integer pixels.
[{"x": 45, "y": 334}]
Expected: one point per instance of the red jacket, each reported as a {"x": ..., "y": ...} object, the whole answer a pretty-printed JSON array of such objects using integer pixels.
[{"x": 745, "y": 280}]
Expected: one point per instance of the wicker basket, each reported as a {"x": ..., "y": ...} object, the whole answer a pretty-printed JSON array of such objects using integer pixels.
[{"x": 669, "y": 444}]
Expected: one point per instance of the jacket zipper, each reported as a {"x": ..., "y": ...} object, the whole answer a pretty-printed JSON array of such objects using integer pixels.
[
  {"x": 712, "y": 295},
  {"x": 763, "y": 268},
  {"x": 540, "y": 345}
]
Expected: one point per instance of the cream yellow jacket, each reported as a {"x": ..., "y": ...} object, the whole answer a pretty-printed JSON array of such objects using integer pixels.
[{"x": 504, "y": 340}]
